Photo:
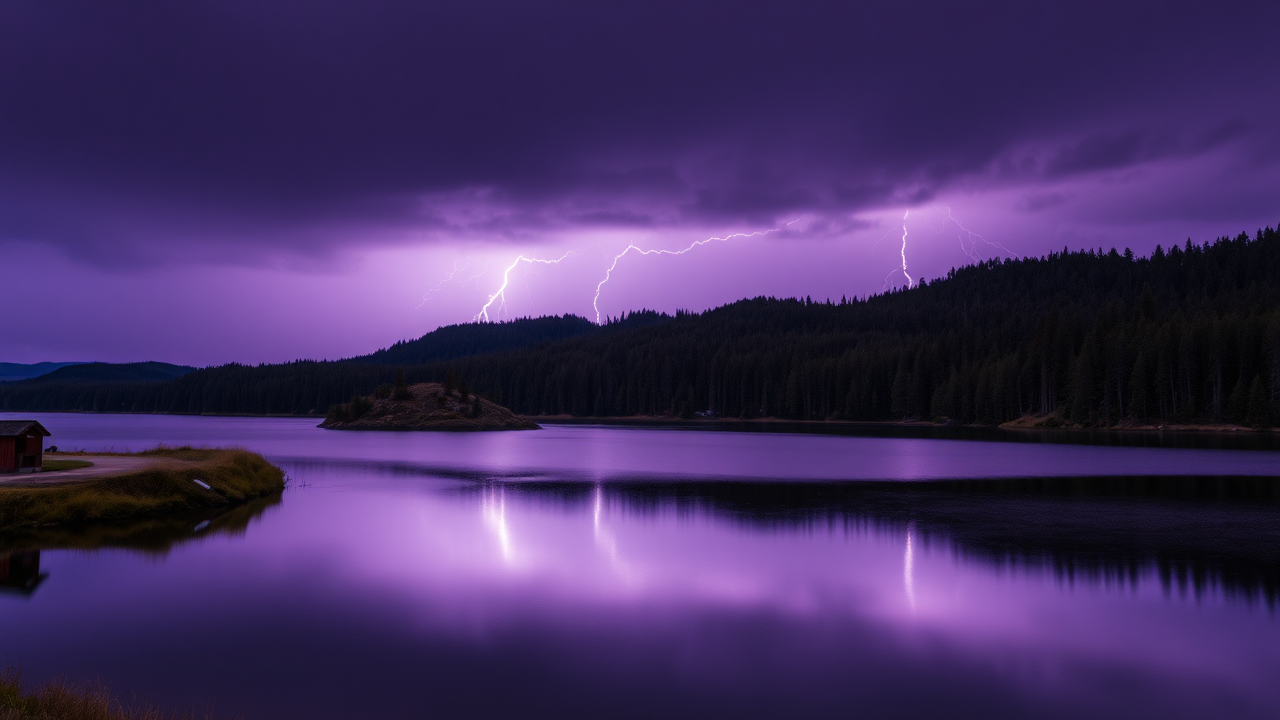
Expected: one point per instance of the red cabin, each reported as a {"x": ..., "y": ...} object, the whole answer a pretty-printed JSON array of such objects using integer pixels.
[{"x": 22, "y": 445}]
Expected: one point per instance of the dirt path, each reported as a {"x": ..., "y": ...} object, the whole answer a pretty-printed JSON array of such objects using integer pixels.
[{"x": 103, "y": 465}]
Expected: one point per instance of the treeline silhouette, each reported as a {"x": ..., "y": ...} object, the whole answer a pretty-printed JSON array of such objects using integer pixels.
[
  {"x": 302, "y": 387},
  {"x": 455, "y": 341},
  {"x": 1187, "y": 335}
]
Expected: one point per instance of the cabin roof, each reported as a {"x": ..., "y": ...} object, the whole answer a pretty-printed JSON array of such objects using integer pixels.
[{"x": 19, "y": 428}]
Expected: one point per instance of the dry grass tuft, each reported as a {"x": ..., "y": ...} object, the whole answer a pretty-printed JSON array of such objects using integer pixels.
[{"x": 59, "y": 700}]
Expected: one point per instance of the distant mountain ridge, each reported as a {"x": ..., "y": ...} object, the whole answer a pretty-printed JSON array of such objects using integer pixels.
[
  {"x": 114, "y": 372},
  {"x": 10, "y": 372}
]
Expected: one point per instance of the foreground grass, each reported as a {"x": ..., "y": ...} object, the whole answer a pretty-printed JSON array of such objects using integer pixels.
[
  {"x": 61, "y": 701},
  {"x": 167, "y": 487}
]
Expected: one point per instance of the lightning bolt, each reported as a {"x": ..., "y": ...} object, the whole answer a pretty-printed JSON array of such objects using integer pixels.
[
  {"x": 972, "y": 248},
  {"x": 475, "y": 278},
  {"x": 595, "y": 302},
  {"x": 968, "y": 243},
  {"x": 458, "y": 267},
  {"x": 500, "y": 295},
  {"x": 910, "y": 280}
]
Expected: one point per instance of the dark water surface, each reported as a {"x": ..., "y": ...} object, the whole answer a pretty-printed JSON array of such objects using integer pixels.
[{"x": 618, "y": 572}]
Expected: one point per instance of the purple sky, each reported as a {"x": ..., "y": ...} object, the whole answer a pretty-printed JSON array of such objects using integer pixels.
[{"x": 263, "y": 180}]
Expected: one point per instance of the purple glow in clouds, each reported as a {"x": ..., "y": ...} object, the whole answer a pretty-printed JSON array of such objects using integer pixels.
[{"x": 249, "y": 177}]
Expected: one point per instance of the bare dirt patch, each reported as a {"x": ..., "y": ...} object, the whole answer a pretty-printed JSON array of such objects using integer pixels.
[{"x": 103, "y": 466}]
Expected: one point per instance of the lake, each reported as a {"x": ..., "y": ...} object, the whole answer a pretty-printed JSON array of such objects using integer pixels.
[{"x": 588, "y": 572}]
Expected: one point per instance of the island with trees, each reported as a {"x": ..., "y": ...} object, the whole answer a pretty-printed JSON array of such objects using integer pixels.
[{"x": 446, "y": 406}]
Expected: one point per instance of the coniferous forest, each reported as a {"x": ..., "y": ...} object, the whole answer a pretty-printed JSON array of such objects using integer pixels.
[{"x": 1190, "y": 334}]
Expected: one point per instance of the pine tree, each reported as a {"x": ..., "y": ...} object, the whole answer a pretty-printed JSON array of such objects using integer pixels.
[
  {"x": 1260, "y": 410},
  {"x": 402, "y": 386}
]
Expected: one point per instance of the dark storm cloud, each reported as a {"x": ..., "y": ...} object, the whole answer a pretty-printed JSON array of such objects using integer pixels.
[
  {"x": 139, "y": 128},
  {"x": 1041, "y": 201},
  {"x": 612, "y": 218},
  {"x": 1108, "y": 151}
]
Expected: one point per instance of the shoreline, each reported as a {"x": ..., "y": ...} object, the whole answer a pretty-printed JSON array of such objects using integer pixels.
[
  {"x": 622, "y": 420},
  {"x": 1014, "y": 425},
  {"x": 159, "y": 482},
  {"x": 1188, "y": 436}
]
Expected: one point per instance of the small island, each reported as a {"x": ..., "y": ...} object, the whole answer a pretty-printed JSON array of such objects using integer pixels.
[{"x": 424, "y": 406}]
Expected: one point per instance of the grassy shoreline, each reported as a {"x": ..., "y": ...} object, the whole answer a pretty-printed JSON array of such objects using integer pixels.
[
  {"x": 73, "y": 701},
  {"x": 166, "y": 487}
]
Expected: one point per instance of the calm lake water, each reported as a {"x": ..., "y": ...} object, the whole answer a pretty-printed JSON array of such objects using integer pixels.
[{"x": 596, "y": 572}]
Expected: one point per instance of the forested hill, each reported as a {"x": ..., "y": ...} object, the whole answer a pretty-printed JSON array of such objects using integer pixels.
[
  {"x": 454, "y": 341},
  {"x": 1190, "y": 334},
  {"x": 457, "y": 341}
]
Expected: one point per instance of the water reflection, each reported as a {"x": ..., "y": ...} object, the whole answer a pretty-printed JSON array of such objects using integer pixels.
[
  {"x": 587, "y": 572},
  {"x": 908, "y": 568},
  {"x": 20, "y": 572},
  {"x": 493, "y": 507},
  {"x": 1154, "y": 438},
  {"x": 566, "y": 599},
  {"x": 153, "y": 536},
  {"x": 1193, "y": 535}
]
